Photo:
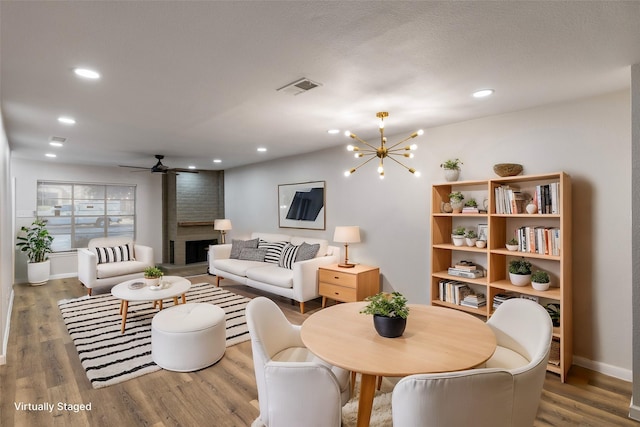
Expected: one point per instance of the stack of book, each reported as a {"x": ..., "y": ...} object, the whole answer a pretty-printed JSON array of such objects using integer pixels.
[
  {"x": 466, "y": 269},
  {"x": 470, "y": 209},
  {"x": 474, "y": 300},
  {"x": 453, "y": 291},
  {"x": 500, "y": 298}
]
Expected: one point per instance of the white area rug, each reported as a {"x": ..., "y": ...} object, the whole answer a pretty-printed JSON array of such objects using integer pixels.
[
  {"x": 380, "y": 415},
  {"x": 110, "y": 357}
]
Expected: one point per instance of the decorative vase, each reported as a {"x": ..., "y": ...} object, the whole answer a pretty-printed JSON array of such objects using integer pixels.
[
  {"x": 38, "y": 272},
  {"x": 451, "y": 174},
  {"x": 481, "y": 244},
  {"x": 540, "y": 286},
  {"x": 531, "y": 208},
  {"x": 456, "y": 205},
  {"x": 471, "y": 241},
  {"x": 520, "y": 279},
  {"x": 457, "y": 239},
  {"x": 389, "y": 327},
  {"x": 151, "y": 281},
  {"x": 512, "y": 247}
]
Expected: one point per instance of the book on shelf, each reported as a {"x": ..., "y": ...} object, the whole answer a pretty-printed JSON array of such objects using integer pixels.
[
  {"x": 470, "y": 209},
  {"x": 453, "y": 291},
  {"x": 474, "y": 301},
  {"x": 547, "y": 197},
  {"x": 465, "y": 265},
  {"x": 502, "y": 297},
  {"x": 469, "y": 274}
]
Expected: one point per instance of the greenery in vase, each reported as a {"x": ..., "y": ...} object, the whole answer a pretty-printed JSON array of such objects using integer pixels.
[
  {"x": 519, "y": 266},
  {"x": 387, "y": 304},
  {"x": 471, "y": 234},
  {"x": 471, "y": 203},
  {"x": 540, "y": 276},
  {"x": 451, "y": 164},
  {"x": 152, "y": 272},
  {"x": 456, "y": 196},
  {"x": 513, "y": 241},
  {"x": 458, "y": 231},
  {"x": 36, "y": 242}
]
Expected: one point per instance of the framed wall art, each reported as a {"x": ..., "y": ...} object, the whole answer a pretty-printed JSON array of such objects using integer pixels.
[{"x": 302, "y": 205}]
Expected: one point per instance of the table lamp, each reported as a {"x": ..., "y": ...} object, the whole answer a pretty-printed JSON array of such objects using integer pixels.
[
  {"x": 347, "y": 234},
  {"x": 222, "y": 225}
]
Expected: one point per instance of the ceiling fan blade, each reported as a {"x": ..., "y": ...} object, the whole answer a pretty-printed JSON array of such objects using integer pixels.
[
  {"x": 183, "y": 170},
  {"x": 133, "y": 167}
]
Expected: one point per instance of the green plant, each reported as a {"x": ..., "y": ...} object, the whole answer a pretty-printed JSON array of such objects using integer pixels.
[
  {"x": 471, "y": 203},
  {"x": 451, "y": 164},
  {"x": 152, "y": 272},
  {"x": 456, "y": 196},
  {"x": 554, "y": 312},
  {"x": 387, "y": 304},
  {"x": 513, "y": 241},
  {"x": 540, "y": 276},
  {"x": 36, "y": 242},
  {"x": 519, "y": 266},
  {"x": 471, "y": 234},
  {"x": 458, "y": 231}
]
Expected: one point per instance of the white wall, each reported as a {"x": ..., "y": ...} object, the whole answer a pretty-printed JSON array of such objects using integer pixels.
[
  {"x": 6, "y": 241},
  {"x": 148, "y": 204},
  {"x": 590, "y": 139},
  {"x": 634, "y": 411}
]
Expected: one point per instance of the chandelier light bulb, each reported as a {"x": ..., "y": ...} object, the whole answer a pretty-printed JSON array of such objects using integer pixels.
[
  {"x": 413, "y": 147},
  {"x": 380, "y": 170},
  {"x": 347, "y": 133},
  {"x": 350, "y": 148},
  {"x": 417, "y": 174},
  {"x": 381, "y": 125},
  {"x": 420, "y": 132}
]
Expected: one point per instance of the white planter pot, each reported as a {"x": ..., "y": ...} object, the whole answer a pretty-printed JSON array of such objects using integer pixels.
[
  {"x": 152, "y": 281},
  {"x": 457, "y": 240},
  {"x": 512, "y": 247},
  {"x": 38, "y": 272},
  {"x": 471, "y": 241},
  {"x": 456, "y": 206},
  {"x": 540, "y": 286},
  {"x": 520, "y": 279},
  {"x": 451, "y": 174},
  {"x": 481, "y": 244}
]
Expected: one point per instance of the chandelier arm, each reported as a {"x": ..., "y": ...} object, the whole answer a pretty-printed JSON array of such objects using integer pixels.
[
  {"x": 400, "y": 163},
  {"x": 361, "y": 141},
  {"x": 413, "y": 135},
  {"x": 364, "y": 163},
  {"x": 398, "y": 151}
]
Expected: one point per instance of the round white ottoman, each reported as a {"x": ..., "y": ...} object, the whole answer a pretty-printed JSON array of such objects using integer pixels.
[{"x": 188, "y": 337}]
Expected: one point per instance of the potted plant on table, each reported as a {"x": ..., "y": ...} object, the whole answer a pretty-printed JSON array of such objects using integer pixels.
[
  {"x": 451, "y": 169},
  {"x": 540, "y": 280},
  {"x": 152, "y": 276},
  {"x": 455, "y": 200},
  {"x": 512, "y": 244},
  {"x": 520, "y": 272},
  {"x": 457, "y": 235},
  {"x": 389, "y": 312},
  {"x": 36, "y": 243}
]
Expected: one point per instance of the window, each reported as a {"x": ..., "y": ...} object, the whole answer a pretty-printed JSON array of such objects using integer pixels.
[{"x": 78, "y": 212}]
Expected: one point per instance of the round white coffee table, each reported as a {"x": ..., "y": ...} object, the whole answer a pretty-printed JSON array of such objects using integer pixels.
[{"x": 174, "y": 287}]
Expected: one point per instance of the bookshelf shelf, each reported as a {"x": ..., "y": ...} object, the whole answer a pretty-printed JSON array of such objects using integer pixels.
[{"x": 494, "y": 258}]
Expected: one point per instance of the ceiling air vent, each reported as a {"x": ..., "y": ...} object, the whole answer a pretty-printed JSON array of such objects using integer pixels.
[
  {"x": 57, "y": 139},
  {"x": 299, "y": 86}
]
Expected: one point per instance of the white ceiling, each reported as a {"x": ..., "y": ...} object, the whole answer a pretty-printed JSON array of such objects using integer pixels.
[{"x": 197, "y": 80}]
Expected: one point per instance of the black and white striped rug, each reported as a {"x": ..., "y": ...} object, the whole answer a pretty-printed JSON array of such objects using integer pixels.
[{"x": 109, "y": 356}]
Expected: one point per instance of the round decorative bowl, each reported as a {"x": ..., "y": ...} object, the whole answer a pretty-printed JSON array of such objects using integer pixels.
[
  {"x": 520, "y": 279},
  {"x": 540, "y": 286},
  {"x": 507, "y": 169}
]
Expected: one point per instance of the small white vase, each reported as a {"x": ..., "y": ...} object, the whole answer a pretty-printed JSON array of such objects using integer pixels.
[
  {"x": 456, "y": 206},
  {"x": 531, "y": 208},
  {"x": 153, "y": 281},
  {"x": 451, "y": 174},
  {"x": 481, "y": 243},
  {"x": 457, "y": 240},
  {"x": 512, "y": 247},
  {"x": 520, "y": 279},
  {"x": 471, "y": 241},
  {"x": 540, "y": 286}
]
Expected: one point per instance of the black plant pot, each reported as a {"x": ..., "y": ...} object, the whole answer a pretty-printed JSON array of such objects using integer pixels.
[{"x": 389, "y": 327}]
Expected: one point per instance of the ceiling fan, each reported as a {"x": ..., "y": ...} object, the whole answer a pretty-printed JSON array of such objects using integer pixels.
[{"x": 159, "y": 167}]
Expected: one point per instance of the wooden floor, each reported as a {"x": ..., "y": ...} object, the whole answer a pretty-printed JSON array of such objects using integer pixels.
[{"x": 43, "y": 367}]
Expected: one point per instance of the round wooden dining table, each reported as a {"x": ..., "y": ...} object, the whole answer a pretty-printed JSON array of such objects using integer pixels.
[{"x": 436, "y": 339}]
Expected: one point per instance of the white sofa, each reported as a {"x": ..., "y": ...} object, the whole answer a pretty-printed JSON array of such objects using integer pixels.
[
  {"x": 95, "y": 273},
  {"x": 300, "y": 283}
]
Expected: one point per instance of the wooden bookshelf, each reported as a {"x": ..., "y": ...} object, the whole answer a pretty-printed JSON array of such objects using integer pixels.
[{"x": 494, "y": 258}]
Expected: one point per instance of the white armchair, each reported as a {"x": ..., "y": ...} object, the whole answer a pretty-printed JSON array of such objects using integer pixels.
[
  {"x": 294, "y": 386},
  {"x": 505, "y": 393},
  {"x": 94, "y": 273}
]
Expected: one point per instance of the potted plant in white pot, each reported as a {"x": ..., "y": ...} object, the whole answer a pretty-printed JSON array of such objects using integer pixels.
[
  {"x": 520, "y": 272},
  {"x": 457, "y": 236},
  {"x": 451, "y": 169},
  {"x": 152, "y": 276},
  {"x": 36, "y": 244},
  {"x": 456, "y": 201},
  {"x": 512, "y": 244},
  {"x": 471, "y": 237},
  {"x": 389, "y": 312},
  {"x": 540, "y": 280}
]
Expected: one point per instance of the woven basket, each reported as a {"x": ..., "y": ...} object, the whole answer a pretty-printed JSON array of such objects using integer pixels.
[{"x": 507, "y": 169}]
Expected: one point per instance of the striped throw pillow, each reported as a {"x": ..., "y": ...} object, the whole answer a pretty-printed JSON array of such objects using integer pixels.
[
  {"x": 114, "y": 254},
  {"x": 288, "y": 256},
  {"x": 274, "y": 250}
]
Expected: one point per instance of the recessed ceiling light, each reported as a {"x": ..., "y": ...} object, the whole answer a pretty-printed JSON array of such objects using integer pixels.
[
  {"x": 87, "y": 73},
  {"x": 333, "y": 131},
  {"x": 217, "y": 161},
  {"x": 67, "y": 120},
  {"x": 50, "y": 155},
  {"x": 482, "y": 93},
  {"x": 262, "y": 149},
  {"x": 55, "y": 144},
  {"x": 191, "y": 167}
]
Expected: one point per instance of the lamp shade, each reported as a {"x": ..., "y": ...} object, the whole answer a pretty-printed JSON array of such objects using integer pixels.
[
  {"x": 222, "y": 224},
  {"x": 347, "y": 234}
]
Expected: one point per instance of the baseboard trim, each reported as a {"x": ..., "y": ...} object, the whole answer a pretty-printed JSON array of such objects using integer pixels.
[
  {"x": 634, "y": 412},
  {"x": 604, "y": 368},
  {"x": 5, "y": 342}
]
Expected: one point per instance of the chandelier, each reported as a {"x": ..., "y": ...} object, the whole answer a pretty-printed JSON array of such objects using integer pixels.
[{"x": 383, "y": 152}]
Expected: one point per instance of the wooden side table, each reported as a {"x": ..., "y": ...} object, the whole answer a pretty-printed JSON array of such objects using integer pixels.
[{"x": 348, "y": 284}]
